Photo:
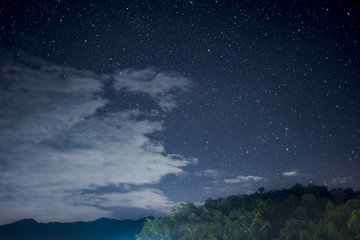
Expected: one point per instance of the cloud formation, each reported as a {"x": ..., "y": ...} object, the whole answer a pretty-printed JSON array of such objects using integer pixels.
[
  {"x": 242, "y": 179},
  {"x": 211, "y": 173},
  {"x": 342, "y": 180},
  {"x": 40, "y": 104},
  {"x": 146, "y": 198},
  {"x": 163, "y": 87},
  {"x": 54, "y": 144},
  {"x": 294, "y": 174},
  {"x": 290, "y": 174}
]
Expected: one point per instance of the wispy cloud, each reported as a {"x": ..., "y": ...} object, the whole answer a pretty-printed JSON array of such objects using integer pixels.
[
  {"x": 144, "y": 198},
  {"x": 290, "y": 174},
  {"x": 54, "y": 144},
  {"x": 39, "y": 104},
  {"x": 294, "y": 174},
  {"x": 342, "y": 180},
  {"x": 211, "y": 173},
  {"x": 243, "y": 179},
  {"x": 161, "y": 86}
]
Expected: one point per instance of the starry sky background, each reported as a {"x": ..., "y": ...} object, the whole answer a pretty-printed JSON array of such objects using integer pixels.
[{"x": 125, "y": 108}]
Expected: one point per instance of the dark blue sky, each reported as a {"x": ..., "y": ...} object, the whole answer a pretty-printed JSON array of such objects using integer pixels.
[{"x": 125, "y": 108}]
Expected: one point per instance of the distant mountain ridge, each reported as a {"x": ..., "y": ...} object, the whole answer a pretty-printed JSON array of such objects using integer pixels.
[{"x": 100, "y": 229}]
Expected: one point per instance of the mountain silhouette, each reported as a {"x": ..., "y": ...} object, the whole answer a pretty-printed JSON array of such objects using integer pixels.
[{"x": 100, "y": 229}]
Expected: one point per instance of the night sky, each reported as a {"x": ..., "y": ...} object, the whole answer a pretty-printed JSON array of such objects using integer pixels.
[{"x": 123, "y": 109}]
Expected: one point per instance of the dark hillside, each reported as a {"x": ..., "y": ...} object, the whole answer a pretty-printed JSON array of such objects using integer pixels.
[{"x": 103, "y": 228}]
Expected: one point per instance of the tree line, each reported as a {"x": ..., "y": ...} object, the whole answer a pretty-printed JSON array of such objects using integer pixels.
[{"x": 298, "y": 213}]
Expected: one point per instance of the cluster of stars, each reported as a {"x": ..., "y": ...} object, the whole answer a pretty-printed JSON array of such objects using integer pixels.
[{"x": 276, "y": 83}]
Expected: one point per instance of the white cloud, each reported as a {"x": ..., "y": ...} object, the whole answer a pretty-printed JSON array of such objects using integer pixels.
[
  {"x": 241, "y": 179},
  {"x": 144, "y": 198},
  {"x": 161, "y": 86},
  {"x": 290, "y": 174},
  {"x": 53, "y": 145},
  {"x": 37, "y": 105},
  {"x": 294, "y": 174},
  {"x": 342, "y": 180},
  {"x": 211, "y": 173}
]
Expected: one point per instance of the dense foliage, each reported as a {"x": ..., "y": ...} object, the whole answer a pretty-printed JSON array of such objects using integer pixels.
[{"x": 310, "y": 212}]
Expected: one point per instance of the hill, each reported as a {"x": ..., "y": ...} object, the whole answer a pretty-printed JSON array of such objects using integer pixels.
[
  {"x": 103, "y": 228},
  {"x": 298, "y": 213}
]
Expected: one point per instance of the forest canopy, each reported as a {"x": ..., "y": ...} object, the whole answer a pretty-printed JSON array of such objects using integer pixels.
[{"x": 311, "y": 212}]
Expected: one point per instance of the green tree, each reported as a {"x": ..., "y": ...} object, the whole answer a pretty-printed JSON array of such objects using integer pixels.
[
  {"x": 294, "y": 230},
  {"x": 326, "y": 229},
  {"x": 308, "y": 201},
  {"x": 338, "y": 195},
  {"x": 354, "y": 223},
  {"x": 231, "y": 230},
  {"x": 299, "y": 213},
  {"x": 333, "y": 225},
  {"x": 157, "y": 229},
  {"x": 184, "y": 210},
  {"x": 261, "y": 190},
  {"x": 251, "y": 223},
  {"x": 191, "y": 227},
  {"x": 292, "y": 202}
]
